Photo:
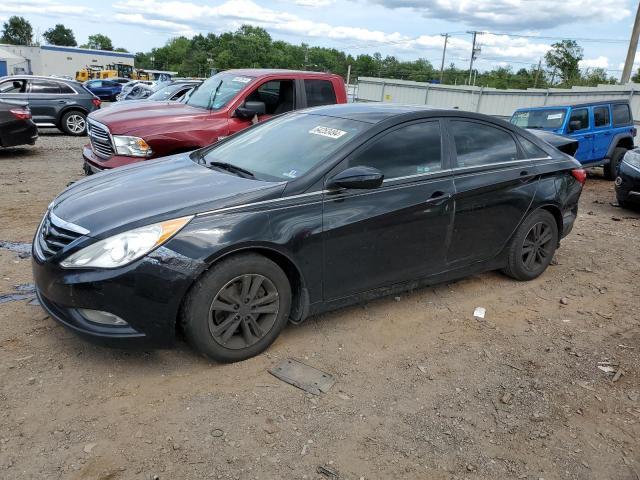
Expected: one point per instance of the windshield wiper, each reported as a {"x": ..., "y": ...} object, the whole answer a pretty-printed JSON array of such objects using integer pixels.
[
  {"x": 229, "y": 167},
  {"x": 215, "y": 94}
]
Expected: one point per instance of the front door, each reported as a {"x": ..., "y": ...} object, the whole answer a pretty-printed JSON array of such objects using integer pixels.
[
  {"x": 579, "y": 127},
  {"x": 397, "y": 232},
  {"x": 279, "y": 96},
  {"x": 494, "y": 188}
]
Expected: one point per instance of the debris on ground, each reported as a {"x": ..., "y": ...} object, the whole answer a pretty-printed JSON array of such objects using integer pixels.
[
  {"x": 479, "y": 313},
  {"x": 300, "y": 375},
  {"x": 327, "y": 472}
]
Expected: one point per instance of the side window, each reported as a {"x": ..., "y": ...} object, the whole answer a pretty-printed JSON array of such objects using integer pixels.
[
  {"x": 277, "y": 95},
  {"x": 580, "y": 115},
  {"x": 96, "y": 84},
  {"x": 44, "y": 86},
  {"x": 408, "y": 150},
  {"x": 621, "y": 115},
  {"x": 601, "y": 116},
  {"x": 480, "y": 144},
  {"x": 319, "y": 92},
  {"x": 531, "y": 149},
  {"x": 64, "y": 88},
  {"x": 13, "y": 86}
]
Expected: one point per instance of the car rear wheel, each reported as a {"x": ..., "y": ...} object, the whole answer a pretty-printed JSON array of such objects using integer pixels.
[
  {"x": 533, "y": 246},
  {"x": 237, "y": 309},
  {"x": 611, "y": 169},
  {"x": 74, "y": 123}
]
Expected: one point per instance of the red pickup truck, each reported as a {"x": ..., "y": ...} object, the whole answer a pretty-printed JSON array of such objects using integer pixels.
[{"x": 222, "y": 105}]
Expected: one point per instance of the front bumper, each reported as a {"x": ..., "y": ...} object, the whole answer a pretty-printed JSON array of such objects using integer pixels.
[
  {"x": 628, "y": 184},
  {"x": 146, "y": 294},
  {"x": 97, "y": 164}
]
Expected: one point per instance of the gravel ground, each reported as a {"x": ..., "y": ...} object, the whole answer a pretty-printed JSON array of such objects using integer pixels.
[{"x": 423, "y": 389}]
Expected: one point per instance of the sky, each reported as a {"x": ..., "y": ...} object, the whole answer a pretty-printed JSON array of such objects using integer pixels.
[{"x": 408, "y": 29}]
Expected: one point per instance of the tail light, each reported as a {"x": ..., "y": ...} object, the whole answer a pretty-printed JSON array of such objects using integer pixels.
[
  {"x": 96, "y": 102},
  {"x": 580, "y": 174},
  {"x": 21, "y": 114}
]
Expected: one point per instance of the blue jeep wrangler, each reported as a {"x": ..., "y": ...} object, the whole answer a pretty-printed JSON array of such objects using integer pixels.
[{"x": 604, "y": 130}]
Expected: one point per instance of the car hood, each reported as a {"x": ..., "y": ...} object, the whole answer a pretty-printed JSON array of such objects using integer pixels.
[
  {"x": 153, "y": 191},
  {"x": 129, "y": 118}
]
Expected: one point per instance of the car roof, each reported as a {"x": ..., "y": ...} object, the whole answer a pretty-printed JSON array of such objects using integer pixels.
[
  {"x": 578, "y": 104},
  {"x": 370, "y": 112},
  {"x": 259, "y": 72},
  {"x": 42, "y": 77}
]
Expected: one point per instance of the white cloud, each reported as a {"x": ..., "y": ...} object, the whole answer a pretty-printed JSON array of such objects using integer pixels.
[
  {"x": 600, "y": 62},
  {"x": 314, "y": 3},
  {"x": 515, "y": 13},
  {"x": 42, "y": 7},
  {"x": 177, "y": 16}
]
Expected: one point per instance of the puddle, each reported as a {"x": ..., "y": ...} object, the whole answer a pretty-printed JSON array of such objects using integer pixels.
[
  {"x": 22, "y": 249},
  {"x": 26, "y": 291}
]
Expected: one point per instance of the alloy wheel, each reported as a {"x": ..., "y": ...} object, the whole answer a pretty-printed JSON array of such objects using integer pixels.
[
  {"x": 243, "y": 311},
  {"x": 76, "y": 123},
  {"x": 537, "y": 247}
]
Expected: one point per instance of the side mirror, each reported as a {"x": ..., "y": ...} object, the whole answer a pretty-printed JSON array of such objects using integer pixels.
[
  {"x": 359, "y": 177},
  {"x": 574, "y": 125},
  {"x": 250, "y": 109}
]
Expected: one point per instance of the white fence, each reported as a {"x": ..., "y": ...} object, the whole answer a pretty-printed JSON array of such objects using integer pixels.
[{"x": 490, "y": 101}]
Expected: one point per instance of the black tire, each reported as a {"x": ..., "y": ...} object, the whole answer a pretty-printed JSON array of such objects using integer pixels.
[
  {"x": 214, "y": 301},
  {"x": 74, "y": 122},
  {"x": 532, "y": 247},
  {"x": 611, "y": 168}
]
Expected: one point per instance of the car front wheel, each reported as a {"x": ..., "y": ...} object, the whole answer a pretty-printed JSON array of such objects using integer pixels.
[
  {"x": 238, "y": 308},
  {"x": 74, "y": 123},
  {"x": 533, "y": 246}
]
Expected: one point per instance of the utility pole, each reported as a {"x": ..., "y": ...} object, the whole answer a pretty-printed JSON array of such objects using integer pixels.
[
  {"x": 535, "y": 82},
  {"x": 474, "y": 51},
  {"x": 444, "y": 52},
  {"x": 633, "y": 45},
  {"x": 348, "y": 74}
]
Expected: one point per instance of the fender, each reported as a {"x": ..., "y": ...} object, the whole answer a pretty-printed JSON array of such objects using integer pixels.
[{"x": 615, "y": 140}]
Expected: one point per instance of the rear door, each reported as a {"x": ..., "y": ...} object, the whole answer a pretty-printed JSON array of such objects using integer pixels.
[
  {"x": 14, "y": 89},
  {"x": 579, "y": 127},
  {"x": 494, "y": 187},
  {"x": 601, "y": 131},
  {"x": 45, "y": 100},
  {"x": 399, "y": 231}
]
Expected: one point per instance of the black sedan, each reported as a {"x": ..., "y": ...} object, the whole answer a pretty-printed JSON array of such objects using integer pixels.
[
  {"x": 16, "y": 124},
  {"x": 628, "y": 179},
  {"x": 304, "y": 213}
]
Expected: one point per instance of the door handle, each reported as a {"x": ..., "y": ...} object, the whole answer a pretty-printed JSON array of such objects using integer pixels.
[
  {"x": 524, "y": 173},
  {"x": 438, "y": 198},
  {"x": 607, "y": 134},
  {"x": 588, "y": 136}
]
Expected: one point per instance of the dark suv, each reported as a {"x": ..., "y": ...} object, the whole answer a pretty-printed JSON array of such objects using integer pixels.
[{"x": 54, "y": 102}]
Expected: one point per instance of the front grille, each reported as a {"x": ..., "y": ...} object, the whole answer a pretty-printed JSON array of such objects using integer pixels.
[
  {"x": 100, "y": 139},
  {"x": 53, "y": 237}
]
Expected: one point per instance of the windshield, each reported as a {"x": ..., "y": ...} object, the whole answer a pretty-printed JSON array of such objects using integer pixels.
[
  {"x": 217, "y": 91},
  {"x": 165, "y": 92},
  {"x": 545, "y": 119},
  {"x": 310, "y": 139}
]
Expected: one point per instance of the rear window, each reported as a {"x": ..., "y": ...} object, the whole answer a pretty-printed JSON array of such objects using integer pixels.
[
  {"x": 64, "y": 88},
  {"x": 621, "y": 115},
  {"x": 531, "y": 149},
  {"x": 480, "y": 144},
  {"x": 319, "y": 92}
]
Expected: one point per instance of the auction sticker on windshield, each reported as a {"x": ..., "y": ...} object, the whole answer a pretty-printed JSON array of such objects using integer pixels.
[
  {"x": 327, "y": 132},
  {"x": 242, "y": 79},
  {"x": 554, "y": 116}
]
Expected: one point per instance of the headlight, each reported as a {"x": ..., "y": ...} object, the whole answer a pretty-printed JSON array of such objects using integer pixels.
[
  {"x": 125, "y": 247},
  {"x": 632, "y": 158},
  {"x": 131, "y": 146}
]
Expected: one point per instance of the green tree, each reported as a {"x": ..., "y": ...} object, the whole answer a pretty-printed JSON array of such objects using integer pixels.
[
  {"x": 17, "y": 31},
  {"x": 98, "y": 41},
  {"x": 60, "y": 35},
  {"x": 563, "y": 59},
  {"x": 636, "y": 77}
]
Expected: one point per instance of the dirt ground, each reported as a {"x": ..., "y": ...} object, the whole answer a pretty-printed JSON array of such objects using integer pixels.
[{"x": 423, "y": 389}]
